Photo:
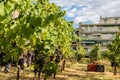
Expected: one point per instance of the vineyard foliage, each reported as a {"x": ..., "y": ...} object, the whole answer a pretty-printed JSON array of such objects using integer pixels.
[{"x": 34, "y": 24}]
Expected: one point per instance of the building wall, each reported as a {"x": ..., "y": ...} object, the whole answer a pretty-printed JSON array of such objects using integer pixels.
[
  {"x": 99, "y": 29},
  {"x": 99, "y": 32},
  {"x": 99, "y": 36},
  {"x": 110, "y": 29},
  {"x": 107, "y": 36},
  {"x": 110, "y": 20},
  {"x": 102, "y": 33}
]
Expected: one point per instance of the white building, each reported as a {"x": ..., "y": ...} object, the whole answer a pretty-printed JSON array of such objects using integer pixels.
[{"x": 102, "y": 33}]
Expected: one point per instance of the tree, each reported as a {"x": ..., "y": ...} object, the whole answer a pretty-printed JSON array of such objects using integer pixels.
[
  {"x": 113, "y": 53},
  {"x": 79, "y": 53},
  {"x": 94, "y": 53}
]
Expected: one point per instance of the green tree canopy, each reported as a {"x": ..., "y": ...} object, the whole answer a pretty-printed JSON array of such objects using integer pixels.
[
  {"x": 94, "y": 52},
  {"x": 114, "y": 49},
  {"x": 113, "y": 52}
]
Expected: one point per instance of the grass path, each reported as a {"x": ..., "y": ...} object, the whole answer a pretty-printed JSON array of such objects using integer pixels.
[{"x": 76, "y": 72}]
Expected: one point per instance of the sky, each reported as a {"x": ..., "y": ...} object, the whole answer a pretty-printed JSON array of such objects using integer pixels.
[{"x": 88, "y": 11}]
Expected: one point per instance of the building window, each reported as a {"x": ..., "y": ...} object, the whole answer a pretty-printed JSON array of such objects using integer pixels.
[
  {"x": 98, "y": 37},
  {"x": 115, "y": 22},
  {"x": 99, "y": 28},
  {"x": 77, "y": 32},
  {"x": 116, "y": 18},
  {"x": 83, "y": 30},
  {"x": 91, "y": 29}
]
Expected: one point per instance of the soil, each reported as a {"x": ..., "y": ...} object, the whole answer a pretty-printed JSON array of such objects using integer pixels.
[{"x": 73, "y": 71}]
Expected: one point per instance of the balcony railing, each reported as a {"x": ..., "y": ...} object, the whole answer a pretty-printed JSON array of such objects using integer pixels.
[
  {"x": 90, "y": 32},
  {"x": 97, "y": 38}
]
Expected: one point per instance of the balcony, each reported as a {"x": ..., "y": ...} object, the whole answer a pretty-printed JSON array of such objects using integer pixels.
[
  {"x": 102, "y": 48},
  {"x": 93, "y": 32},
  {"x": 97, "y": 38}
]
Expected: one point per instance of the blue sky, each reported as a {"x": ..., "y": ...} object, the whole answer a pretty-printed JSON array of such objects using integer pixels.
[{"x": 88, "y": 11}]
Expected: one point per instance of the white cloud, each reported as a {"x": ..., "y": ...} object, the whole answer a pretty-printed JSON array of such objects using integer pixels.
[
  {"x": 71, "y": 12},
  {"x": 89, "y": 10}
]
